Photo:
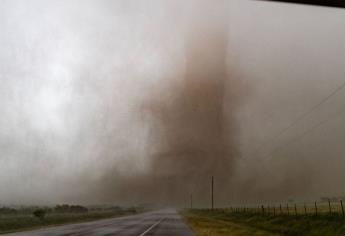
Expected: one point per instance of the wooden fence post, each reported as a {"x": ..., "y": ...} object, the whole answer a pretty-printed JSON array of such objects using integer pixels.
[
  {"x": 274, "y": 211},
  {"x": 329, "y": 206},
  {"x": 305, "y": 209},
  {"x": 295, "y": 209},
  {"x": 263, "y": 209},
  {"x": 315, "y": 209},
  {"x": 280, "y": 207},
  {"x": 287, "y": 208},
  {"x": 342, "y": 208}
]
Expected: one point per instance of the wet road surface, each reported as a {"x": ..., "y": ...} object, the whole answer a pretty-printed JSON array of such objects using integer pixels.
[{"x": 157, "y": 223}]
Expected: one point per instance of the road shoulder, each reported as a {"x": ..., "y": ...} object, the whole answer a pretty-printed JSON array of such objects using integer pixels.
[{"x": 204, "y": 225}]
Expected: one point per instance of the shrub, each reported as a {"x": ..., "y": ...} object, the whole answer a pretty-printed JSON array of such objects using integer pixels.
[{"x": 39, "y": 213}]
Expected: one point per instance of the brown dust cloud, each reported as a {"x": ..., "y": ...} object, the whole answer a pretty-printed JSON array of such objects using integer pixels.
[{"x": 131, "y": 103}]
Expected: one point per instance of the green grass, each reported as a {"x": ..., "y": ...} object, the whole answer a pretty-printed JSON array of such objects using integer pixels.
[
  {"x": 222, "y": 222},
  {"x": 21, "y": 222}
]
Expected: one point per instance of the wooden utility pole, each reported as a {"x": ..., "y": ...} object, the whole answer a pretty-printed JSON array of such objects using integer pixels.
[
  {"x": 212, "y": 202},
  {"x": 191, "y": 201}
]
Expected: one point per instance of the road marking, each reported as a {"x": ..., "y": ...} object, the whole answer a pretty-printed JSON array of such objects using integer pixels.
[{"x": 152, "y": 226}]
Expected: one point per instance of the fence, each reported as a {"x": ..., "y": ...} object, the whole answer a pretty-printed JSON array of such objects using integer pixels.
[{"x": 317, "y": 208}]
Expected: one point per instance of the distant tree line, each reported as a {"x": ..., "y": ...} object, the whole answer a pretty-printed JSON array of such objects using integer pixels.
[
  {"x": 37, "y": 211},
  {"x": 65, "y": 208},
  {"x": 7, "y": 210}
]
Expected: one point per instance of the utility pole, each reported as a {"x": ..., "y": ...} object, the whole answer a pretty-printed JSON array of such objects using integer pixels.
[
  {"x": 212, "y": 202},
  {"x": 191, "y": 201}
]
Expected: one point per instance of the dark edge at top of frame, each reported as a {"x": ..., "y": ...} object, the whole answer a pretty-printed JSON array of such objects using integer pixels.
[{"x": 326, "y": 3}]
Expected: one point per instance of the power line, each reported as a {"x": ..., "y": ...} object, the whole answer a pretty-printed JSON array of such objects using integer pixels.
[
  {"x": 317, "y": 125},
  {"x": 304, "y": 115}
]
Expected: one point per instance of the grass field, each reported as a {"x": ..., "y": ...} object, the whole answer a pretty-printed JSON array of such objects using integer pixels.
[
  {"x": 24, "y": 221},
  {"x": 222, "y": 222}
]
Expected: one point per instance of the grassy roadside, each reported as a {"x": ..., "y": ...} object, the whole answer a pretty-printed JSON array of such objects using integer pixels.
[
  {"x": 22, "y": 222},
  {"x": 221, "y": 222}
]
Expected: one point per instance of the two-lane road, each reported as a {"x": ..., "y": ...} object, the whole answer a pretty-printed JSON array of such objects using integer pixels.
[{"x": 157, "y": 223}]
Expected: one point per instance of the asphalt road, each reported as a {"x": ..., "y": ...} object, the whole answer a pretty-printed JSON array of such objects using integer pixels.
[{"x": 157, "y": 223}]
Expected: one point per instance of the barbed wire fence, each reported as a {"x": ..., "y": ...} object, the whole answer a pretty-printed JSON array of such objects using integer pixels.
[{"x": 317, "y": 208}]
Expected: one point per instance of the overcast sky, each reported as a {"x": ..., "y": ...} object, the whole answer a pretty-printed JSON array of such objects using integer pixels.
[{"x": 91, "y": 91}]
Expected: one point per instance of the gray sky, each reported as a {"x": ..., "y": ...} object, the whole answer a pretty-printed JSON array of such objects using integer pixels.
[{"x": 93, "y": 97}]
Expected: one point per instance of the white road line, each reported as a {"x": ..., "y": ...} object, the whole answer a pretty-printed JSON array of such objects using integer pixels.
[{"x": 152, "y": 226}]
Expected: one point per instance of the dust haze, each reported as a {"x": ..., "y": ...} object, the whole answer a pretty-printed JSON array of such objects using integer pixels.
[{"x": 125, "y": 102}]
